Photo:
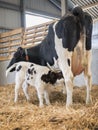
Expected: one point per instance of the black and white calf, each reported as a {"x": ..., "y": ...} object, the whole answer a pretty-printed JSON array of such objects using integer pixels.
[
  {"x": 38, "y": 76},
  {"x": 67, "y": 39}
]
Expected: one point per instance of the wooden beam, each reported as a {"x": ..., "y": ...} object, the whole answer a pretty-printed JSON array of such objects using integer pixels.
[{"x": 89, "y": 6}]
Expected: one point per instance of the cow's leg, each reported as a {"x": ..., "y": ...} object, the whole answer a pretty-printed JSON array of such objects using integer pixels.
[
  {"x": 88, "y": 77},
  {"x": 46, "y": 96},
  {"x": 69, "y": 89},
  {"x": 25, "y": 90},
  {"x": 68, "y": 77}
]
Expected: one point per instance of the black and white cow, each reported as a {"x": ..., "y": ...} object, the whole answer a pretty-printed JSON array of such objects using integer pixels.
[
  {"x": 66, "y": 38},
  {"x": 40, "y": 77}
]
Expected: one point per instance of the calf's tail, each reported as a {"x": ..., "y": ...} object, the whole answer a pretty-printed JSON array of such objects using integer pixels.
[{"x": 9, "y": 69}]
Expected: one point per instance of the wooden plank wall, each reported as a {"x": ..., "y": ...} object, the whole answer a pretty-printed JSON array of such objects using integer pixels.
[{"x": 25, "y": 38}]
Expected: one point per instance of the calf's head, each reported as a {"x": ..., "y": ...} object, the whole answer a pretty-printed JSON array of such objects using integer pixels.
[{"x": 51, "y": 77}]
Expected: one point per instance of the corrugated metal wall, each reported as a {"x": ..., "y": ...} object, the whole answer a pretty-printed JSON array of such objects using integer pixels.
[
  {"x": 9, "y": 19},
  {"x": 42, "y": 6},
  {"x": 17, "y": 2},
  {"x": 95, "y": 35}
]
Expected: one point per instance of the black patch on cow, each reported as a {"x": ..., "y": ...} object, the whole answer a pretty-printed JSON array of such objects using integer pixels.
[
  {"x": 28, "y": 78},
  {"x": 31, "y": 71},
  {"x": 68, "y": 29},
  {"x": 68, "y": 60},
  {"x": 51, "y": 77},
  {"x": 59, "y": 29},
  {"x": 19, "y": 68},
  {"x": 31, "y": 77},
  {"x": 31, "y": 65},
  {"x": 47, "y": 48},
  {"x": 34, "y": 72}
]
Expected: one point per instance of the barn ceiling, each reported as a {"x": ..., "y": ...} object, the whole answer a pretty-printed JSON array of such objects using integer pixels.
[{"x": 90, "y": 6}]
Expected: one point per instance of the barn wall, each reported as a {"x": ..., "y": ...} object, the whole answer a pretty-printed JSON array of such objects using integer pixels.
[
  {"x": 79, "y": 80},
  {"x": 3, "y": 79},
  {"x": 9, "y": 19},
  {"x": 17, "y": 2},
  {"x": 95, "y": 35},
  {"x": 43, "y": 7},
  {"x": 10, "y": 16}
]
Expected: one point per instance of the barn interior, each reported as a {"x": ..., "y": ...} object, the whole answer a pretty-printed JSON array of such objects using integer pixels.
[{"x": 14, "y": 33}]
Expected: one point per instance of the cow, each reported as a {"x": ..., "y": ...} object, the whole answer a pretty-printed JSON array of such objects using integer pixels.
[
  {"x": 40, "y": 77},
  {"x": 68, "y": 42}
]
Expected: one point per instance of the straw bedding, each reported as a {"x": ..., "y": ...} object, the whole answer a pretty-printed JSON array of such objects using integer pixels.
[{"x": 28, "y": 116}]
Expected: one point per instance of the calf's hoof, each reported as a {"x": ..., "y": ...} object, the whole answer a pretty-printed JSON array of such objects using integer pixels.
[{"x": 89, "y": 101}]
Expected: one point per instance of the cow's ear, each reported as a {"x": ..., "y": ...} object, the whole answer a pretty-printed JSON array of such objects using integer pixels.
[
  {"x": 59, "y": 29},
  {"x": 20, "y": 50}
]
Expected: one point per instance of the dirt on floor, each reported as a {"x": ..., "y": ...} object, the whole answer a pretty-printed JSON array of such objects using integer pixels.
[{"x": 25, "y": 115}]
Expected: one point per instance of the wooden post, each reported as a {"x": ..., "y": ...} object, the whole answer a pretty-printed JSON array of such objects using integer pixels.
[{"x": 63, "y": 7}]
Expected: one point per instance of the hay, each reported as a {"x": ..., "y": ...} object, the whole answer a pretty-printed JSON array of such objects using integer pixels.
[{"x": 28, "y": 116}]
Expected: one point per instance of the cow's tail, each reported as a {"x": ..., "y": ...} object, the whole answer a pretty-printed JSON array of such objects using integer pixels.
[
  {"x": 11, "y": 67},
  {"x": 77, "y": 11}
]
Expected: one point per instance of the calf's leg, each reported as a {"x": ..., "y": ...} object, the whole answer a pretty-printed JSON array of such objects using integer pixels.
[
  {"x": 40, "y": 93},
  {"x": 25, "y": 90},
  {"x": 17, "y": 87},
  {"x": 46, "y": 96}
]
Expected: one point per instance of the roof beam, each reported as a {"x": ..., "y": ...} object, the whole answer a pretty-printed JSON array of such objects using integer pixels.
[
  {"x": 57, "y": 4},
  {"x": 89, "y": 6}
]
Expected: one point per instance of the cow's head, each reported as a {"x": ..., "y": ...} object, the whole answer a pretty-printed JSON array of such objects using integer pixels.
[{"x": 19, "y": 55}]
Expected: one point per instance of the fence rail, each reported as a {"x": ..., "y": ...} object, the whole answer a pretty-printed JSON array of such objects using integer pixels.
[{"x": 9, "y": 41}]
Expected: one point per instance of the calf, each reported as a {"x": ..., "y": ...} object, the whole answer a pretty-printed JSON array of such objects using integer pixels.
[{"x": 38, "y": 76}]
